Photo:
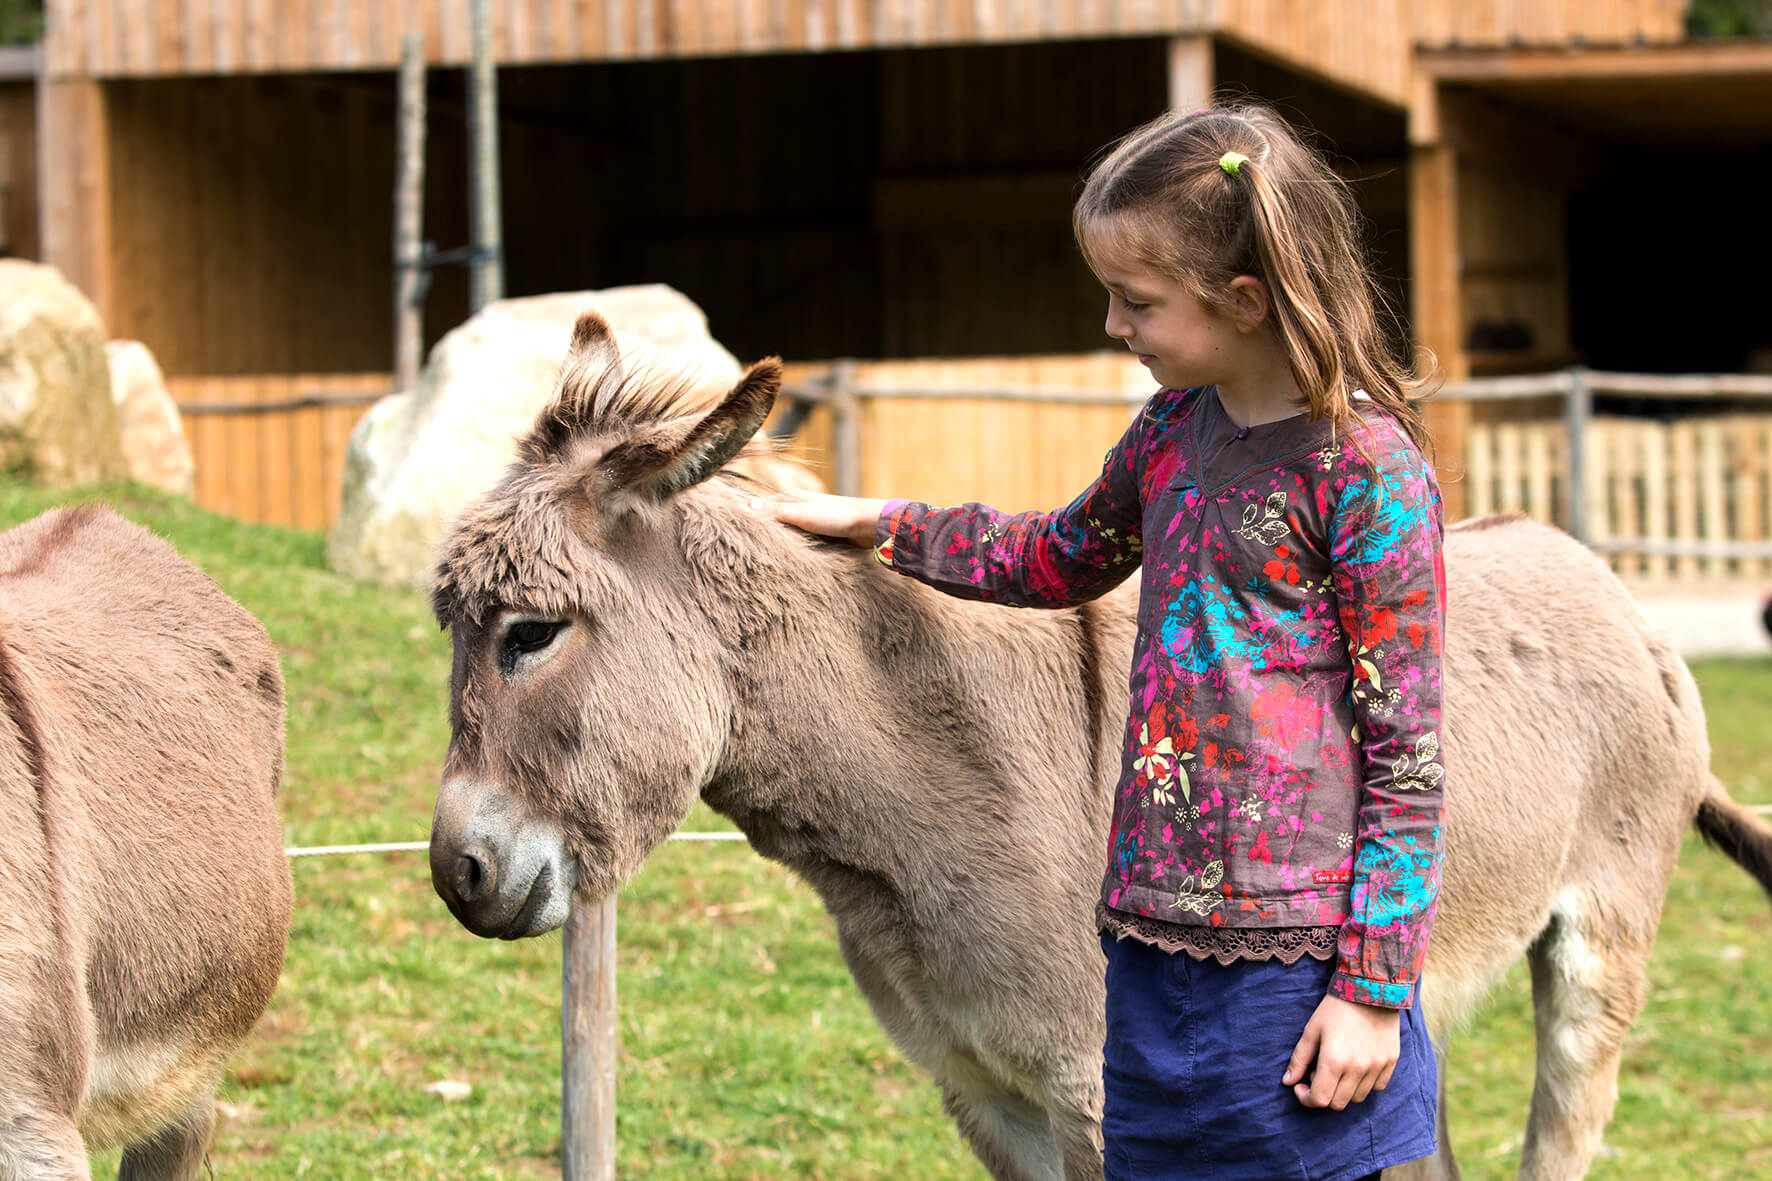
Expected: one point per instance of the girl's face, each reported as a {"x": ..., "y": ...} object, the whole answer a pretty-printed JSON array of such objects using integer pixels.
[{"x": 1181, "y": 341}]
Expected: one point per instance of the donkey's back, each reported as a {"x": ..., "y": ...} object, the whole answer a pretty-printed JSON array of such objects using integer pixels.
[{"x": 147, "y": 895}]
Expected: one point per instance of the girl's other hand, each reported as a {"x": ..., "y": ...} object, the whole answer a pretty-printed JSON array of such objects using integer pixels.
[
  {"x": 851, "y": 518},
  {"x": 1355, "y": 1048}
]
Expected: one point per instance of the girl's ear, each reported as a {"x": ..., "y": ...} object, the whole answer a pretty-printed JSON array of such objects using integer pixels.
[{"x": 1250, "y": 303}]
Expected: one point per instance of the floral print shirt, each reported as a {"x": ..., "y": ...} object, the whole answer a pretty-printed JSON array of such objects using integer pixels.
[{"x": 1281, "y": 763}]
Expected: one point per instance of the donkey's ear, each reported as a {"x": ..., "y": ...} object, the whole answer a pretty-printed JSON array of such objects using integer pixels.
[
  {"x": 592, "y": 342},
  {"x": 664, "y": 462},
  {"x": 593, "y": 365}
]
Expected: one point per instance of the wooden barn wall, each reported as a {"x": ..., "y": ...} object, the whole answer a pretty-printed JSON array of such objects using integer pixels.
[
  {"x": 250, "y": 220},
  {"x": 1513, "y": 241},
  {"x": 1366, "y": 44},
  {"x": 982, "y": 152},
  {"x": 1470, "y": 23},
  {"x": 18, "y": 170},
  {"x": 919, "y": 207},
  {"x": 138, "y": 37}
]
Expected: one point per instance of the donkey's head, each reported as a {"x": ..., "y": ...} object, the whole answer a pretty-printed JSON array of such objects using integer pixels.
[{"x": 588, "y": 699}]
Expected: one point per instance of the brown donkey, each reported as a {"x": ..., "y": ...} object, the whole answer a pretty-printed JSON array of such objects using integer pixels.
[
  {"x": 628, "y": 636},
  {"x": 147, "y": 895}
]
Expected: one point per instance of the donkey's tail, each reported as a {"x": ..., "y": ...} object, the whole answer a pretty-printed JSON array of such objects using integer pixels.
[{"x": 1728, "y": 826}]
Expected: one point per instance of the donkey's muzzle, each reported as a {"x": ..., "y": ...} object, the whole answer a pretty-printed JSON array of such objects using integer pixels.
[{"x": 503, "y": 876}]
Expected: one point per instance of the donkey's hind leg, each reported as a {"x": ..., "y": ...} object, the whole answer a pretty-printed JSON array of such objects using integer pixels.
[
  {"x": 175, "y": 1153},
  {"x": 1011, "y": 1137},
  {"x": 1587, "y": 988}
]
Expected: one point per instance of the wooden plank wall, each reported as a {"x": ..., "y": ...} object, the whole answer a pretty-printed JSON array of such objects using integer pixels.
[
  {"x": 108, "y": 38},
  {"x": 1514, "y": 274},
  {"x": 1365, "y": 44},
  {"x": 279, "y": 466},
  {"x": 18, "y": 170},
  {"x": 1014, "y": 455},
  {"x": 250, "y": 222},
  {"x": 1470, "y": 23}
]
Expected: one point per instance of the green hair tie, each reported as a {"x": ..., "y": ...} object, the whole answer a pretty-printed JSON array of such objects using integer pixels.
[{"x": 1232, "y": 163}]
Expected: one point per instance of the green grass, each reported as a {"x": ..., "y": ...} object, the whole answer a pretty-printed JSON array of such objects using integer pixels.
[{"x": 746, "y": 1052}]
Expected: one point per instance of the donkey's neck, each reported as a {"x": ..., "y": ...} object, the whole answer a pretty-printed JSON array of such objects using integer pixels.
[{"x": 879, "y": 722}]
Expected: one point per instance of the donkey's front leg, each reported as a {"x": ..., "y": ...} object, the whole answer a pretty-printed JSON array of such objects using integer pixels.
[
  {"x": 175, "y": 1153},
  {"x": 1010, "y": 1136}
]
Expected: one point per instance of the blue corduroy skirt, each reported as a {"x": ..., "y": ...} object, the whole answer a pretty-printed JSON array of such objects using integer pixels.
[{"x": 1192, "y": 1065}]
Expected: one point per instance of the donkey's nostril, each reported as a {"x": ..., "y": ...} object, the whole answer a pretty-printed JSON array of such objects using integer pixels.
[{"x": 471, "y": 877}]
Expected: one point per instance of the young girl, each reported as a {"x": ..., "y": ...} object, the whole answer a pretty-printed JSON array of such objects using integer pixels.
[{"x": 1275, "y": 852}]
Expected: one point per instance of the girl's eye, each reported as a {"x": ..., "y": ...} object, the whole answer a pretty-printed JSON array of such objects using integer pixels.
[
  {"x": 1130, "y": 306},
  {"x": 531, "y": 635}
]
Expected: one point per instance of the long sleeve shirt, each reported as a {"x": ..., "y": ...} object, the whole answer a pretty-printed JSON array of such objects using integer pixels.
[{"x": 1281, "y": 760}]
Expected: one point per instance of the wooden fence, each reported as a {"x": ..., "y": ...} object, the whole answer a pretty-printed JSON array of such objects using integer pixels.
[
  {"x": 272, "y": 448},
  {"x": 1667, "y": 497},
  {"x": 1679, "y": 497}
]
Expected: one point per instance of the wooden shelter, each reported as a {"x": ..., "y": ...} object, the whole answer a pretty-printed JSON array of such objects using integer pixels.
[{"x": 879, "y": 178}]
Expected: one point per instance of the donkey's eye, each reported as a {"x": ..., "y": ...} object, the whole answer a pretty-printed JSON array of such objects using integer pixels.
[{"x": 529, "y": 635}]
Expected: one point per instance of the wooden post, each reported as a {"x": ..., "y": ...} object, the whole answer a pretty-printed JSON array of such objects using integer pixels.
[
  {"x": 845, "y": 429},
  {"x": 1191, "y": 76},
  {"x": 74, "y": 182},
  {"x": 588, "y": 1044},
  {"x": 1579, "y": 408},
  {"x": 487, "y": 273},
  {"x": 409, "y": 216},
  {"x": 1435, "y": 299}
]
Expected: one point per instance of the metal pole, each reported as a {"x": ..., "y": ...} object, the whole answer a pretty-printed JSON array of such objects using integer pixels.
[
  {"x": 487, "y": 274},
  {"x": 1578, "y": 408},
  {"x": 409, "y": 215},
  {"x": 587, "y": 1034}
]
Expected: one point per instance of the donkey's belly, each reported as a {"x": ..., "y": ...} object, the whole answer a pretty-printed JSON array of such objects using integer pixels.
[{"x": 135, "y": 1090}]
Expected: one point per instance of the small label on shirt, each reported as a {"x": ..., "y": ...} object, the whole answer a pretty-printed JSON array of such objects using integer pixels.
[{"x": 1332, "y": 875}]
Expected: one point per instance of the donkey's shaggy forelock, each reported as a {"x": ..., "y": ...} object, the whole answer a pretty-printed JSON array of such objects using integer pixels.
[{"x": 608, "y": 426}]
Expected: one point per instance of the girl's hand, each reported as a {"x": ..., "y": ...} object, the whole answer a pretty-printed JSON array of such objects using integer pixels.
[
  {"x": 1355, "y": 1047},
  {"x": 849, "y": 517}
]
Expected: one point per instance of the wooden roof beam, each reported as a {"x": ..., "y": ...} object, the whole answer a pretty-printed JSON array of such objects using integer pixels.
[{"x": 1685, "y": 59}]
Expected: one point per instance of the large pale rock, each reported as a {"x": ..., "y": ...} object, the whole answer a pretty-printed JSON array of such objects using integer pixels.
[
  {"x": 154, "y": 443},
  {"x": 419, "y": 456},
  {"x": 57, "y": 422}
]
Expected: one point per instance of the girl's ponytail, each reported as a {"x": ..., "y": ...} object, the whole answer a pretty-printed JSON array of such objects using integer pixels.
[{"x": 1304, "y": 324}]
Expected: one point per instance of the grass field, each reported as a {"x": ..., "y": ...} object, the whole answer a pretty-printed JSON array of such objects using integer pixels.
[{"x": 745, "y": 1050}]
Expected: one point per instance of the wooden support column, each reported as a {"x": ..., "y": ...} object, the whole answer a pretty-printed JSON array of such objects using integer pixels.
[
  {"x": 74, "y": 185},
  {"x": 1191, "y": 77},
  {"x": 1435, "y": 303}
]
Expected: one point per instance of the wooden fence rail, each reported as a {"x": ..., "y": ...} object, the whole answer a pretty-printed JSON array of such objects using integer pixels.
[
  {"x": 271, "y": 448},
  {"x": 1683, "y": 497}
]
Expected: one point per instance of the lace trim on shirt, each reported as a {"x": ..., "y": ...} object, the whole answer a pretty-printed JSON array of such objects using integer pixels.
[{"x": 1224, "y": 944}]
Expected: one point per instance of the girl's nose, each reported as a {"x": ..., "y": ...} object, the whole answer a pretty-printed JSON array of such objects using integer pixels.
[{"x": 1117, "y": 325}]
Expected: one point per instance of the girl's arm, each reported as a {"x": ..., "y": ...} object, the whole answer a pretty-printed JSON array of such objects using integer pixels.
[
  {"x": 1390, "y": 582},
  {"x": 1032, "y": 559},
  {"x": 1385, "y": 555}
]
